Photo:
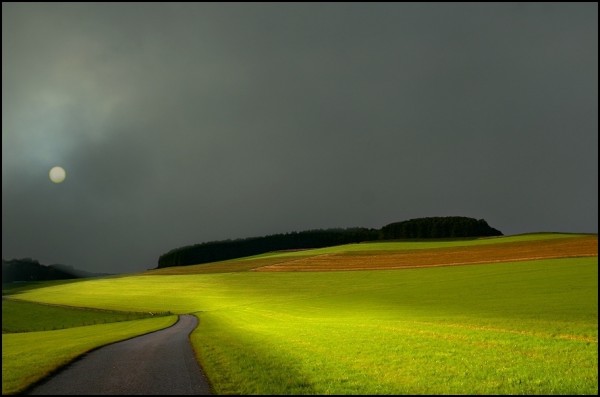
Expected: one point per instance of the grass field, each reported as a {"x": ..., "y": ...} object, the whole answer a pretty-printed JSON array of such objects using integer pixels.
[
  {"x": 29, "y": 356},
  {"x": 17, "y": 316},
  {"x": 514, "y": 327},
  {"x": 404, "y": 254}
]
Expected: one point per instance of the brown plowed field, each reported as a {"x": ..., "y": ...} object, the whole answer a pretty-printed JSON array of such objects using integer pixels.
[{"x": 502, "y": 252}]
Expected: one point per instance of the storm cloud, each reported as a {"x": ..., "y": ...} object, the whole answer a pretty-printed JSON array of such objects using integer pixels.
[{"x": 179, "y": 123}]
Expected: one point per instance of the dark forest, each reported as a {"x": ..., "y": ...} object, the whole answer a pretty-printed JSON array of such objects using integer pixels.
[{"x": 420, "y": 228}]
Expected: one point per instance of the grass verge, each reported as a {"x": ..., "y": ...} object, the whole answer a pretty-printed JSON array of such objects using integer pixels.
[{"x": 29, "y": 357}]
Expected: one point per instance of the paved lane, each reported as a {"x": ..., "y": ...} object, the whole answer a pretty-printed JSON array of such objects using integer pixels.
[{"x": 158, "y": 363}]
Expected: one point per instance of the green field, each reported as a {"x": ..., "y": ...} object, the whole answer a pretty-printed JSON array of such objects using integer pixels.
[
  {"x": 418, "y": 244},
  {"x": 526, "y": 327},
  {"x": 29, "y": 356},
  {"x": 17, "y": 316}
]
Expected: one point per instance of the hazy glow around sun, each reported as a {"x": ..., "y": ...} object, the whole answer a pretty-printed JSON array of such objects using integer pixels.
[{"x": 57, "y": 174}]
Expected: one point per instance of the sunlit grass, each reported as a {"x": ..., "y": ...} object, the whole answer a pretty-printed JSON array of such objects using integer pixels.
[
  {"x": 521, "y": 328},
  {"x": 515, "y": 328},
  {"x": 259, "y": 354},
  {"x": 28, "y": 357}
]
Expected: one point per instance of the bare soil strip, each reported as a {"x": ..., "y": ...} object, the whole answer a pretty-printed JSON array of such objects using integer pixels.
[{"x": 506, "y": 252}]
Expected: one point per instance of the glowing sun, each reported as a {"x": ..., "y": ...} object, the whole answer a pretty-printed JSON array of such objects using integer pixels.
[{"x": 57, "y": 174}]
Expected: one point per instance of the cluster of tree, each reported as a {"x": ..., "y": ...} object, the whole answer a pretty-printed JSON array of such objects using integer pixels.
[
  {"x": 439, "y": 227},
  {"x": 28, "y": 269},
  {"x": 434, "y": 227},
  {"x": 229, "y": 249}
]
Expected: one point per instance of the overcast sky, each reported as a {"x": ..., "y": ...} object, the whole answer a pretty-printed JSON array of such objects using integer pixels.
[{"x": 184, "y": 123}]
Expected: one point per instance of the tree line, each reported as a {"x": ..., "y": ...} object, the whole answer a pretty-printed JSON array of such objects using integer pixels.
[
  {"x": 229, "y": 249},
  {"x": 439, "y": 227},
  {"x": 420, "y": 228},
  {"x": 28, "y": 269}
]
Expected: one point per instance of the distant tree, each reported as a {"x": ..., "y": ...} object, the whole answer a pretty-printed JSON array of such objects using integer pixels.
[
  {"x": 229, "y": 249},
  {"x": 28, "y": 269},
  {"x": 434, "y": 227},
  {"x": 438, "y": 227}
]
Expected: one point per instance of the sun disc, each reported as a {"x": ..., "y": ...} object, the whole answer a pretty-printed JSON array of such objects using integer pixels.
[{"x": 57, "y": 174}]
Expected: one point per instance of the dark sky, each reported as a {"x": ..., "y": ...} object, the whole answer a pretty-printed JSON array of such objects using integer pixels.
[{"x": 184, "y": 123}]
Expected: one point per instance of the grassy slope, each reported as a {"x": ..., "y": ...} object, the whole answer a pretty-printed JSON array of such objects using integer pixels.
[
  {"x": 419, "y": 244},
  {"x": 431, "y": 331},
  {"x": 523, "y": 327},
  {"x": 28, "y": 357},
  {"x": 31, "y": 354},
  {"x": 270, "y": 258},
  {"x": 17, "y": 316}
]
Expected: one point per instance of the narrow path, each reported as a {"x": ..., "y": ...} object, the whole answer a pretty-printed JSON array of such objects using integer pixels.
[{"x": 161, "y": 362}]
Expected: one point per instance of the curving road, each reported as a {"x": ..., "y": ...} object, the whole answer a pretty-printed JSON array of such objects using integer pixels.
[{"x": 161, "y": 362}]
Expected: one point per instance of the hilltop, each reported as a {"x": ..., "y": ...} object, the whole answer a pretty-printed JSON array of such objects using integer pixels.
[
  {"x": 419, "y": 228},
  {"x": 28, "y": 269}
]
